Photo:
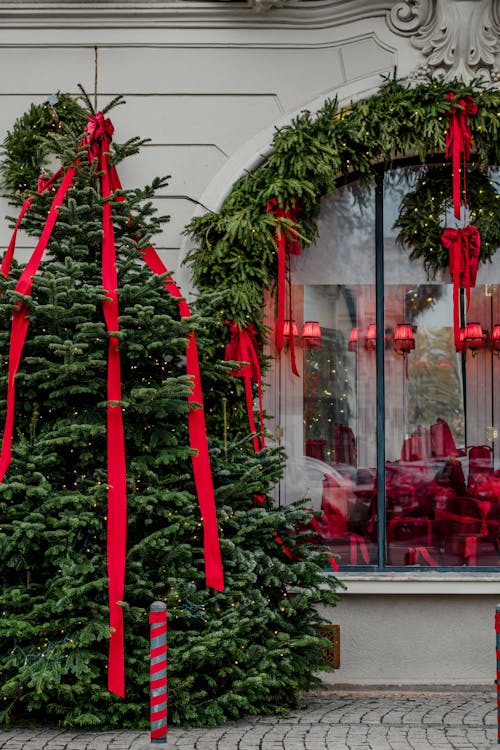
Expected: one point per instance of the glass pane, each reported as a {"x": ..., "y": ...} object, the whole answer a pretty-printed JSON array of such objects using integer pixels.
[
  {"x": 330, "y": 413},
  {"x": 442, "y": 411}
]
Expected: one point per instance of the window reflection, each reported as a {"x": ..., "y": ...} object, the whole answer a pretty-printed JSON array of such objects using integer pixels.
[{"x": 442, "y": 411}]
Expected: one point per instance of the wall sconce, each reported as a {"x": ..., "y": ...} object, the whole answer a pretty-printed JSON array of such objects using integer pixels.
[
  {"x": 289, "y": 325},
  {"x": 495, "y": 339},
  {"x": 352, "y": 346},
  {"x": 474, "y": 337},
  {"x": 403, "y": 341},
  {"x": 311, "y": 334},
  {"x": 371, "y": 338}
]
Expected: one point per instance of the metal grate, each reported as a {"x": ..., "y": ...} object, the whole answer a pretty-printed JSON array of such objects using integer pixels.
[{"x": 330, "y": 654}]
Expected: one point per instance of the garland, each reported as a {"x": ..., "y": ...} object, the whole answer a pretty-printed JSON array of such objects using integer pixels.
[
  {"x": 422, "y": 208},
  {"x": 236, "y": 249},
  {"x": 26, "y": 148}
]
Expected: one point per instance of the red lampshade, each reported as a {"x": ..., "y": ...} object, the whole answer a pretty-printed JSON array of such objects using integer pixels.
[
  {"x": 371, "y": 337},
  {"x": 286, "y": 328},
  {"x": 495, "y": 338},
  {"x": 311, "y": 334},
  {"x": 474, "y": 337},
  {"x": 404, "y": 340},
  {"x": 352, "y": 346}
]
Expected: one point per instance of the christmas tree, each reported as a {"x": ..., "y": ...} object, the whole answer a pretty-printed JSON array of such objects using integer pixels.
[{"x": 250, "y": 648}]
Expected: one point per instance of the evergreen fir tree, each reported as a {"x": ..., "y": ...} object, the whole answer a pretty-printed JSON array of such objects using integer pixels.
[{"x": 251, "y": 648}]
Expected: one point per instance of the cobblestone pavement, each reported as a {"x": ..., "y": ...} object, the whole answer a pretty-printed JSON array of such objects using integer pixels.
[{"x": 333, "y": 721}]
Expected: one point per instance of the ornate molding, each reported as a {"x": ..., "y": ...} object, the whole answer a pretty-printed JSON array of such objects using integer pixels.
[
  {"x": 191, "y": 14},
  {"x": 264, "y": 5},
  {"x": 458, "y": 38}
]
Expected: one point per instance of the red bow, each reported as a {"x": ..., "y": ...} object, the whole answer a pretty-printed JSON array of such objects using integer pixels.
[
  {"x": 458, "y": 140},
  {"x": 287, "y": 245},
  {"x": 464, "y": 247},
  {"x": 99, "y": 130}
]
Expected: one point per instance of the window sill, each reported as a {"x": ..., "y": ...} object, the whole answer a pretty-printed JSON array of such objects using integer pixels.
[{"x": 414, "y": 583}]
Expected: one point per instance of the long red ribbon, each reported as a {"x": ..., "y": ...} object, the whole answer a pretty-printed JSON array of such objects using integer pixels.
[
  {"x": 197, "y": 435},
  {"x": 19, "y": 326},
  {"x": 286, "y": 246},
  {"x": 464, "y": 248},
  {"x": 241, "y": 348},
  {"x": 99, "y": 132},
  {"x": 458, "y": 140}
]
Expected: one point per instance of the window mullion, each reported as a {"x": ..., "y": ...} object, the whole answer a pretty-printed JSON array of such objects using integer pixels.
[{"x": 380, "y": 353}]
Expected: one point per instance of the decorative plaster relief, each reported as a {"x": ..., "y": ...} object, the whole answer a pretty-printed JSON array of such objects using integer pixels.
[
  {"x": 263, "y": 5},
  {"x": 459, "y": 38}
]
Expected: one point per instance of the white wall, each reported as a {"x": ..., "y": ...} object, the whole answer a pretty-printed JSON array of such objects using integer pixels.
[
  {"x": 200, "y": 92},
  {"x": 415, "y": 639}
]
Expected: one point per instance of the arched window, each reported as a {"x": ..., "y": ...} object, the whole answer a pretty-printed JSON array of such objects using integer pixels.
[{"x": 391, "y": 432}]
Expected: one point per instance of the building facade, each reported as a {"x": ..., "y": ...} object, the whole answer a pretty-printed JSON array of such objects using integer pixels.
[{"x": 209, "y": 83}]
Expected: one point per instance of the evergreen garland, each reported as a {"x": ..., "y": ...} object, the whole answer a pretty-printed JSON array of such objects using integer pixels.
[{"x": 235, "y": 249}]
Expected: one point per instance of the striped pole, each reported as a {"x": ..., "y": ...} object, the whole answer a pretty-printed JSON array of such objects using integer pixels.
[
  {"x": 497, "y": 631},
  {"x": 158, "y": 672}
]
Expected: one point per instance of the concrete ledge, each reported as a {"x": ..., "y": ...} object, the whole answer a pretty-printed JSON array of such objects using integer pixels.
[{"x": 425, "y": 583}]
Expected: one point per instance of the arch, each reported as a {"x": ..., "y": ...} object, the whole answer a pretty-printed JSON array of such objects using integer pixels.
[{"x": 253, "y": 152}]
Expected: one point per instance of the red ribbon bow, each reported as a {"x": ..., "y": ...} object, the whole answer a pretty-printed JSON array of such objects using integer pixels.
[
  {"x": 464, "y": 248},
  {"x": 458, "y": 140},
  {"x": 99, "y": 131},
  {"x": 287, "y": 244},
  {"x": 241, "y": 348}
]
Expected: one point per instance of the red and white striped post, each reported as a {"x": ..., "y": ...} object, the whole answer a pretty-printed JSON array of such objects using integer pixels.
[{"x": 158, "y": 672}]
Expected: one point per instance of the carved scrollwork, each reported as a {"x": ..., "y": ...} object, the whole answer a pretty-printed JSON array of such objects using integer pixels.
[
  {"x": 407, "y": 16},
  {"x": 263, "y": 5},
  {"x": 459, "y": 39}
]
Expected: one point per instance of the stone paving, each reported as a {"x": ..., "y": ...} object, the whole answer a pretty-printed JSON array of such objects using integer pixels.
[{"x": 329, "y": 721}]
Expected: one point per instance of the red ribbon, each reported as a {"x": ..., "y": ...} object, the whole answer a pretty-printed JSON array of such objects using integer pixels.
[
  {"x": 415, "y": 553},
  {"x": 355, "y": 540},
  {"x": 99, "y": 131},
  {"x": 197, "y": 435},
  {"x": 241, "y": 348},
  {"x": 316, "y": 527},
  {"x": 470, "y": 549},
  {"x": 19, "y": 326},
  {"x": 287, "y": 551},
  {"x": 458, "y": 140},
  {"x": 464, "y": 248},
  {"x": 286, "y": 245}
]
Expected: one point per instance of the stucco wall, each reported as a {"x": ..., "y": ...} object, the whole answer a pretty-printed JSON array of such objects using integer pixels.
[
  {"x": 425, "y": 633},
  {"x": 202, "y": 81}
]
